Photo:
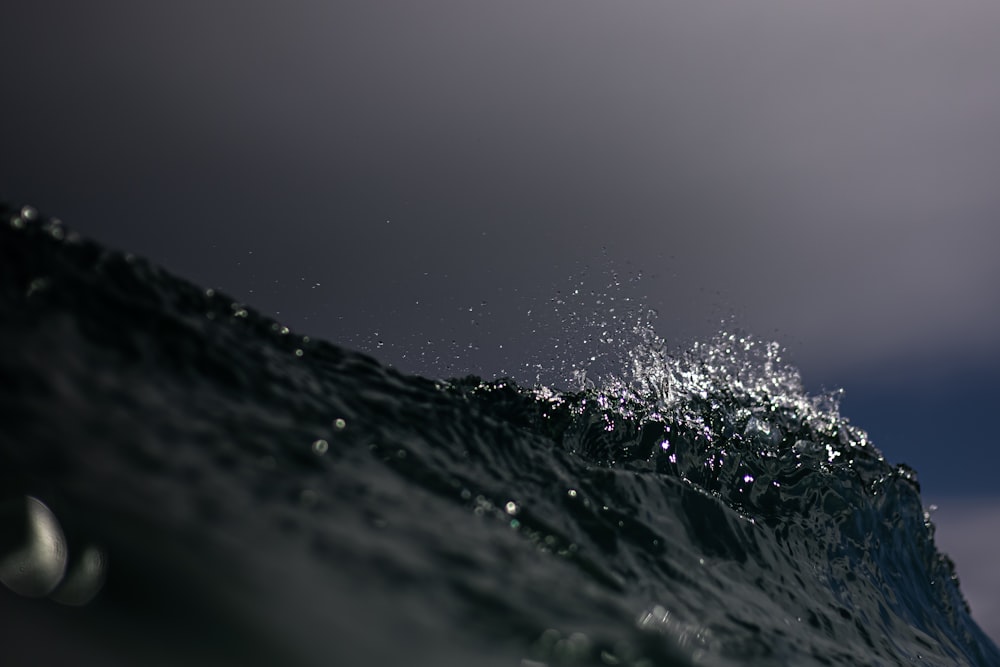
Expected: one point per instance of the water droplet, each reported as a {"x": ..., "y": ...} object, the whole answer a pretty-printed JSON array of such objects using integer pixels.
[
  {"x": 33, "y": 553},
  {"x": 85, "y": 575},
  {"x": 37, "y": 285},
  {"x": 755, "y": 426}
]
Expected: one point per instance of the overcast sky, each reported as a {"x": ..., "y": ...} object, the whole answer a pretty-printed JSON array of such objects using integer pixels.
[{"x": 426, "y": 172}]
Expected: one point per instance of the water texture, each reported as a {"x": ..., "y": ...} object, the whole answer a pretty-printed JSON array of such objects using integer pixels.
[{"x": 251, "y": 496}]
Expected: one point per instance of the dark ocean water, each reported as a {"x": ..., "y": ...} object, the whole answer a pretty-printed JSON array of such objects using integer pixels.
[{"x": 253, "y": 497}]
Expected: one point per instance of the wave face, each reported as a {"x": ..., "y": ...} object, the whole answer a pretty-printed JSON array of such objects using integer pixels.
[{"x": 263, "y": 498}]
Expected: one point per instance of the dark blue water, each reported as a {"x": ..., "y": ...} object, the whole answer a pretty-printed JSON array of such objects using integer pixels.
[{"x": 262, "y": 498}]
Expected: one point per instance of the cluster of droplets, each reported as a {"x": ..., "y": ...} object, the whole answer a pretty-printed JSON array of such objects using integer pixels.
[
  {"x": 605, "y": 345},
  {"x": 588, "y": 333},
  {"x": 655, "y": 383},
  {"x": 28, "y": 216}
]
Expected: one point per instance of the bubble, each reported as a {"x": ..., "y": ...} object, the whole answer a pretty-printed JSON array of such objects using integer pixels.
[
  {"x": 320, "y": 446},
  {"x": 32, "y": 547},
  {"x": 85, "y": 575},
  {"x": 511, "y": 507},
  {"x": 28, "y": 213},
  {"x": 339, "y": 424}
]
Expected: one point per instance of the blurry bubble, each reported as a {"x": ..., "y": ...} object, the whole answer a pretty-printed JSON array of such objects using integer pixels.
[
  {"x": 37, "y": 285},
  {"x": 85, "y": 575},
  {"x": 308, "y": 497},
  {"x": 32, "y": 547},
  {"x": 320, "y": 446}
]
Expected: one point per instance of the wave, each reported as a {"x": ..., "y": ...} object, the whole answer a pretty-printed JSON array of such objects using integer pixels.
[{"x": 260, "y": 497}]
